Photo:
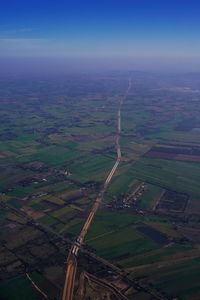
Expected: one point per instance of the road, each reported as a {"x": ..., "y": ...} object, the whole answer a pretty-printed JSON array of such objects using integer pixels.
[
  {"x": 68, "y": 290},
  {"x": 70, "y": 276},
  {"x": 36, "y": 286}
]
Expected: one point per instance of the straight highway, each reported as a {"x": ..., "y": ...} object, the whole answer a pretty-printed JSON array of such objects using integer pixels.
[{"x": 68, "y": 290}]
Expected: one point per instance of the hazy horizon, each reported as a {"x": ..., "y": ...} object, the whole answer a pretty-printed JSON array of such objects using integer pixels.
[{"x": 61, "y": 65}]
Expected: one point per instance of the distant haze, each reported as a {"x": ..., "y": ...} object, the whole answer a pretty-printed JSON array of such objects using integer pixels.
[{"x": 16, "y": 66}]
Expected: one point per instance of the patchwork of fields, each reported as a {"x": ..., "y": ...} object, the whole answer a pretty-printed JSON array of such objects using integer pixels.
[{"x": 57, "y": 148}]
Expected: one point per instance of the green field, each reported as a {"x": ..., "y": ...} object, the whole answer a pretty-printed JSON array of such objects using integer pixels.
[
  {"x": 57, "y": 140},
  {"x": 174, "y": 175},
  {"x": 20, "y": 289}
]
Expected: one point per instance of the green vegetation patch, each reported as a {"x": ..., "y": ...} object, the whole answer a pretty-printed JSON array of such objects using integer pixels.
[
  {"x": 19, "y": 288},
  {"x": 94, "y": 167},
  {"x": 56, "y": 155},
  {"x": 149, "y": 196},
  {"x": 122, "y": 243},
  {"x": 48, "y": 220},
  {"x": 121, "y": 184},
  {"x": 180, "y": 279},
  {"x": 174, "y": 175}
]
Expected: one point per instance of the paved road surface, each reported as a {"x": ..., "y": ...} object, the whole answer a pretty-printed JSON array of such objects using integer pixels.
[
  {"x": 70, "y": 276},
  {"x": 72, "y": 257}
]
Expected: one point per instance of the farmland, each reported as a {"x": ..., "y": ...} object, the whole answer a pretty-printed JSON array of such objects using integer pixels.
[{"x": 57, "y": 148}]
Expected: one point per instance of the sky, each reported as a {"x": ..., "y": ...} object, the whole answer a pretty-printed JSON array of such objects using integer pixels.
[{"x": 117, "y": 29}]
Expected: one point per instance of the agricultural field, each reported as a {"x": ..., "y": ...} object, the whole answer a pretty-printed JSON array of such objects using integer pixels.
[{"x": 57, "y": 147}]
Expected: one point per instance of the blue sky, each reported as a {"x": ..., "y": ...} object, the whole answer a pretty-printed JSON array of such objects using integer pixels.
[{"x": 99, "y": 28}]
